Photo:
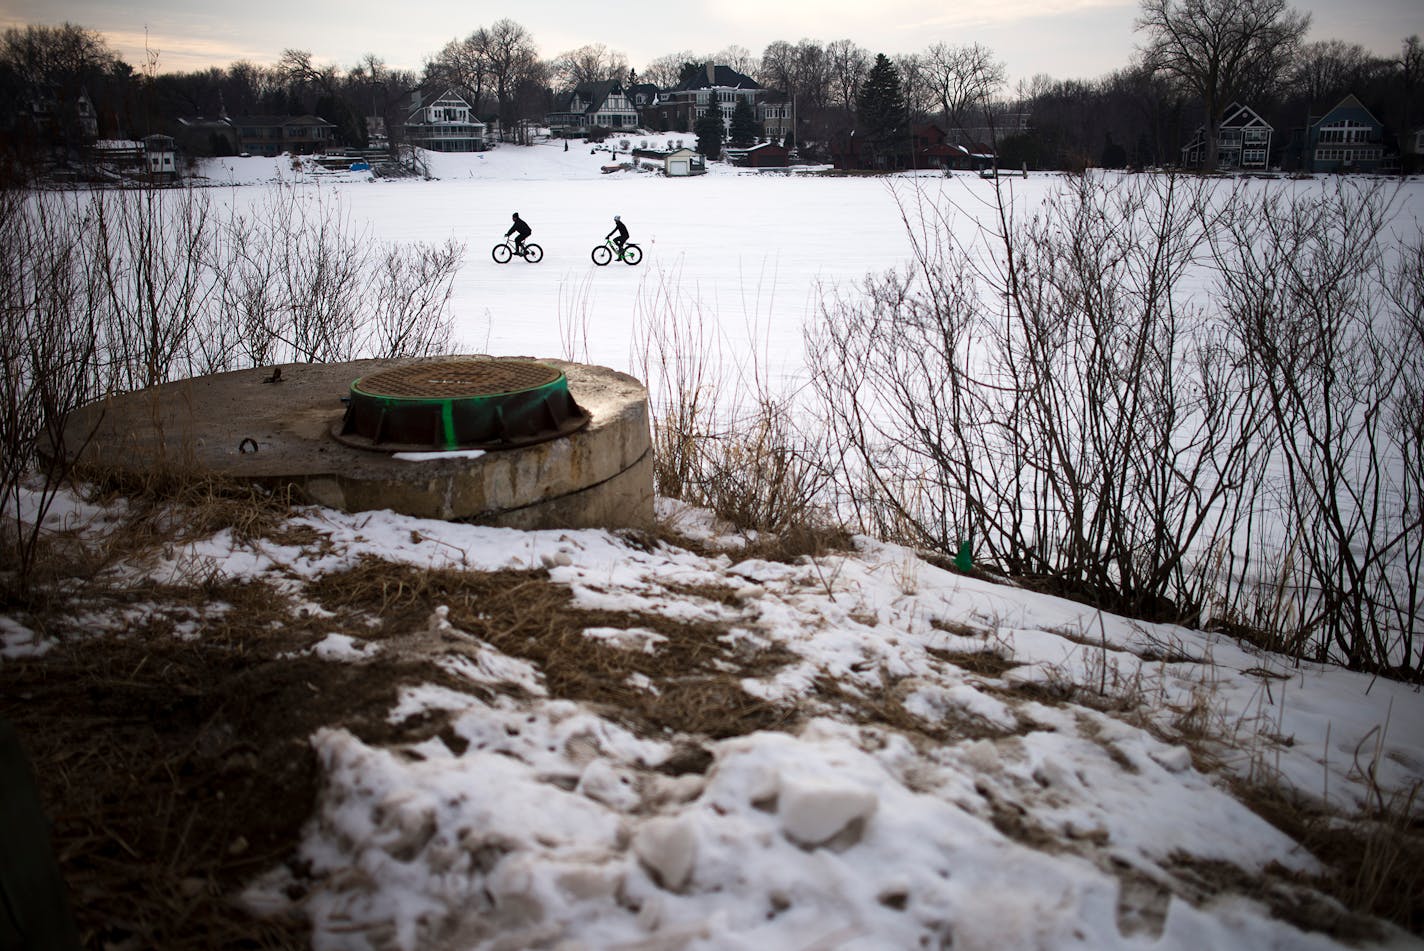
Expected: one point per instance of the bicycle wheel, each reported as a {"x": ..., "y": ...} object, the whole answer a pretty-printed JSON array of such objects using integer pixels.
[
  {"x": 533, "y": 253},
  {"x": 601, "y": 255},
  {"x": 632, "y": 254},
  {"x": 501, "y": 253}
]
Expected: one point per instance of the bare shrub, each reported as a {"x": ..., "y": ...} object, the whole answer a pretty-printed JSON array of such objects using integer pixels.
[
  {"x": 149, "y": 249},
  {"x": 48, "y": 360},
  {"x": 1328, "y": 325},
  {"x": 1043, "y": 390},
  {"x": 304, "y": 284},
  {"x": 722, "y": 437}
]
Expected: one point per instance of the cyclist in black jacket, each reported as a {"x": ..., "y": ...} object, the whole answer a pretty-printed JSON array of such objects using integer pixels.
[
  {"x": 520, "y": 230},
  {"x": 621, "y": 230}
]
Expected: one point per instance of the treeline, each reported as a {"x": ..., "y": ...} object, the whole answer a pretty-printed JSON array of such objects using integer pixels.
[{"x": 1136, "y": 116}]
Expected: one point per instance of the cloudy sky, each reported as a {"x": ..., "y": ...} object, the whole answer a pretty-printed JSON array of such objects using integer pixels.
[{"x": 1063, "y": 38}]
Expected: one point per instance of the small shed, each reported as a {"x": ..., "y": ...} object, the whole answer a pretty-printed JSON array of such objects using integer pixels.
[
  {"x": 680, "y": 163},
  {"x": 763, "y": 155}
]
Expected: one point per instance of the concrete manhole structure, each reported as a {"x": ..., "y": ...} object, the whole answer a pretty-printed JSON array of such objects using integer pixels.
[
  {"x": 513, "y": 442},
  {"x": 460, "y": 404}
]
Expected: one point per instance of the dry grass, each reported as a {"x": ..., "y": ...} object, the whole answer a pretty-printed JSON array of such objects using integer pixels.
[
  {"x": 1374, "y": 861},
  {"x": 883, "y": 706},
  {"x": 523, "y": 614},
  {"x": 173, "y": 771},
  {"x": 986, "y": 663}
]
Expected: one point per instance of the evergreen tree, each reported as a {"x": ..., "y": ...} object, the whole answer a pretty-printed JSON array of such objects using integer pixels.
[
  {"x": 710, "y": 131},
  {"x": 744, "y": 125},
  {"x": 881, "y": 115}
]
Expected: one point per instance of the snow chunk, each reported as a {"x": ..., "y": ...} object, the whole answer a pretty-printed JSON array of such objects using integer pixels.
[
  {"x": 16, "y": 640},
  {"x": 668, "y": 847},
  {"x": 932, "y": 702},
  {"x": 429, "y": 456},
  {"x": 1174, "y": 759},
  {"x": 633, "y": 638},
  {"x": 813, "y": 812},
  {"x": 344, "y": 647}
]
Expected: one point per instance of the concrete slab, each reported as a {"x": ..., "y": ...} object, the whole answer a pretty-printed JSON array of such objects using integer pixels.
[{"x": 240, "y": 426}]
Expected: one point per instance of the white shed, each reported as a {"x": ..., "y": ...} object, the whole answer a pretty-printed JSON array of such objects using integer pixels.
[{"x": 683, "y": 162}]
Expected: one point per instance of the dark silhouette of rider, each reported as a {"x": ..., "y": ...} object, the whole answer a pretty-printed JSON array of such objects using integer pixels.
[
  {"x": 621, "y": 230},
  {"x": 520, "y": 230}
]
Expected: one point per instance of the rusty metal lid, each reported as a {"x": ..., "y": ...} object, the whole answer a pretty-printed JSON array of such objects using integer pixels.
[{"x": 444, "y": 405}]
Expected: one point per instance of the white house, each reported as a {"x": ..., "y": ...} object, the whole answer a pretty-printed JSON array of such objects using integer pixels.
[
  {"x": 445, "y": 123},
  {"x": 603, "y": 105}
]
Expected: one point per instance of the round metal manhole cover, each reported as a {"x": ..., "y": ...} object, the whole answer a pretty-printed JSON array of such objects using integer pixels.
[
  {"x": 459, "y": 404},
  {"x": 459, "y": 379}
]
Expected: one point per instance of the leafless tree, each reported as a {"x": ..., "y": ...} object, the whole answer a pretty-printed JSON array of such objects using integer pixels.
[
  {"x": 48, "y": 352},
  {"x": 848, "y": 65},
  {"x": 802, "y": 70},
  {"x": 1220, "y": 49},
  {"x": 408, "y": 296},
  {"x": 738, "y": 57},
  {"x": 512, "y": 57},
  {"x": 664, "y": 72},
  {"x": 463, "y": 64},
  {"x": 914, "y": 83},
  {"x": 1328, "y": 68},
  {"x": 593, "y": 63},
  {"x": 149, "y": 247},
  {"x": 52, "y": 64},
  {"x": 298, "y": 68},
  {"x": 964, "y": 78}
]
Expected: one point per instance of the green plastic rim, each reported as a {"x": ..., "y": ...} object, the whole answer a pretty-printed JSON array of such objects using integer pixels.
[{"x": 460, "y": 404}]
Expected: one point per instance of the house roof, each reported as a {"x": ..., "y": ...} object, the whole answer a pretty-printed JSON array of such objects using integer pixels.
[
  {"x": 717, "y": 76},
  {"x": 449, "y": 96},
  {"x": 1238, "y": 116},
  {"x": 594, "y": 94},
  {"x": 280, "y": 120},
  {"x": 1234, "y": 116},
  {"x": 1350, "y": 104}
]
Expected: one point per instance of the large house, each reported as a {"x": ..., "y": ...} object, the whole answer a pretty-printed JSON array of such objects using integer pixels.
[
  {"x": 273, "y": 135},
  {"x": 605, "y": 105},
  {"x": 1348, "y": 138},
  {"x": 444, "y": 123},
  {"x": 711, "y": 87},
  {"x": 1243, "y": 141},
  {"x": 776, "y": 112}
]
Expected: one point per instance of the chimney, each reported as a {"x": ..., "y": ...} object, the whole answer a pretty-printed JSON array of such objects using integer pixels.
[{"x": 711, "y": 74}]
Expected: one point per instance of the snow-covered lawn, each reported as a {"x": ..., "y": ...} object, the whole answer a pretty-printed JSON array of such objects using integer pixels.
[{"x": 597, "y": 740}]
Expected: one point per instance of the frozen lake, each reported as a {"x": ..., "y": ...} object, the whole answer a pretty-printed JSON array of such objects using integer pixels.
[{"x": 748, "y": 253}]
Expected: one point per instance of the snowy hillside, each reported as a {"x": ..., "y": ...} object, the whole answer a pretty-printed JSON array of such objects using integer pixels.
[{"x": 604, "y": 741}]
